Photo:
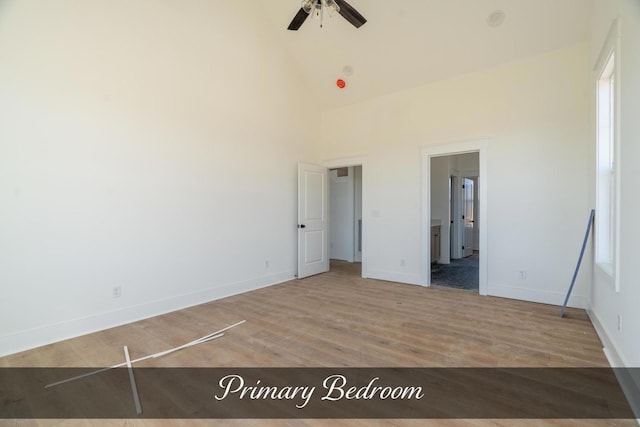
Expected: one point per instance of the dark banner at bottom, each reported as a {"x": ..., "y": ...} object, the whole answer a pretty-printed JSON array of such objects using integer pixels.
[{"x": 257, "y": 393}]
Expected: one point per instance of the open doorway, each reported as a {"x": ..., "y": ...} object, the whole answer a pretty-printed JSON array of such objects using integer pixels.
[
  {"x": 454, "y": 201},
  {"x": 315, "y": 220},
  {"x": 345, "y": 218},
  {"x": 454, "y": 221}
]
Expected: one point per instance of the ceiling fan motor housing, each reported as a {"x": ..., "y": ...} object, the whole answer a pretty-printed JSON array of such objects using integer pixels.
[{"x": 316, "y": 7}]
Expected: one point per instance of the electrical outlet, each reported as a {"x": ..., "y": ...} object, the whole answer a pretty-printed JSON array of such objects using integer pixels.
[
  {"x": 523, "y": 274},
  {"x": 116, "y": 292}
]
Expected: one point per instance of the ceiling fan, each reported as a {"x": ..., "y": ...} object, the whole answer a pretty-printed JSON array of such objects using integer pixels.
[{"x": 315, "y": 8}]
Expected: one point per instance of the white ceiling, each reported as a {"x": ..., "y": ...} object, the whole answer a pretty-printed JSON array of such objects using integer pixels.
[{"x": 406, "y": 43}]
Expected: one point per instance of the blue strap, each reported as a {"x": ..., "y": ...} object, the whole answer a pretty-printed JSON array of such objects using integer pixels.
[{"x": 575, "y": 273}]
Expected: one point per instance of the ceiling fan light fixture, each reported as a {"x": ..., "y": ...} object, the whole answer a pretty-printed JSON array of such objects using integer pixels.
[
  {"x": 316, "y": 10},
  {"x": 331, "y": 6},
  {"x": 308, "y": 5}
]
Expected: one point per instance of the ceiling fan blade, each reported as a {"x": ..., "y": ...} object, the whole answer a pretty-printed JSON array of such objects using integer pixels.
[
  {"x": 298, "y": 20},
  {"x": 350, "y": 14}
]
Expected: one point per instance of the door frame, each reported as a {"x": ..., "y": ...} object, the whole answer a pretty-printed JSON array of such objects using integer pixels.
[
  {"x": 473, "y": 175},
  {"x": 463, "y": 229},
  {"x": 447, "y": 149},
  {"x": 347, "y": 162}
]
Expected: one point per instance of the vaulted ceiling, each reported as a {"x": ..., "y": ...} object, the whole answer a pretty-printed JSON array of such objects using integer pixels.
[{"x": 407, "y": 43}]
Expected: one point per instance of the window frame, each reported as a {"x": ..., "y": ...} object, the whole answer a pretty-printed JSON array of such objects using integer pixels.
[{"x": 607, "y": 81}]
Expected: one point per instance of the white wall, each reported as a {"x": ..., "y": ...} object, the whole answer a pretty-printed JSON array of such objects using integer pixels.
[
  {"x": 440, "y": 173},
  {"x": 622, "y": 345},
  {"x": 467, "y": 164},
  {"x": 341, "y": 215},
  {"x": 140, "y": 147},
  {"x": 535, "y": 114}
]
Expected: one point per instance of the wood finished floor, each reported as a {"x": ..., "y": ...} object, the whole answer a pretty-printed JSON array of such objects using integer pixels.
[{"x": 341, "y": 320}]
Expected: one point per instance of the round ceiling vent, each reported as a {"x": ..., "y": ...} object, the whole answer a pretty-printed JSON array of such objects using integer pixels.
[
  {"x": 496, "y": 18},
  {"x": 347, "y": 70}
]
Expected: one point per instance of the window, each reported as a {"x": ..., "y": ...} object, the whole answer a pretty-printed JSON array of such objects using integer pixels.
[{"x": 606, "y": 212}]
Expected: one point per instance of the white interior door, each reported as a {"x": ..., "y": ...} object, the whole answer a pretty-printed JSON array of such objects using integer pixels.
[
  {"x": 467, "y": 217},
  {"x": 313, "y": 220}
]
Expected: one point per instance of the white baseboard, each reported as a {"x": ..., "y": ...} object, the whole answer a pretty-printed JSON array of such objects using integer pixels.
[
  {"x": 536, "y": 295},
  {"x": 394, "y": 276},
  {"x": 630, "y": 385},
  {"x": 48, "y": 334},
  {"x": 616, "y": 360}
]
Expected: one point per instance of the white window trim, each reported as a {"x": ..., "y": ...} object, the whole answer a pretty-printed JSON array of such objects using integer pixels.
[{"x": 611, "y": 46}]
